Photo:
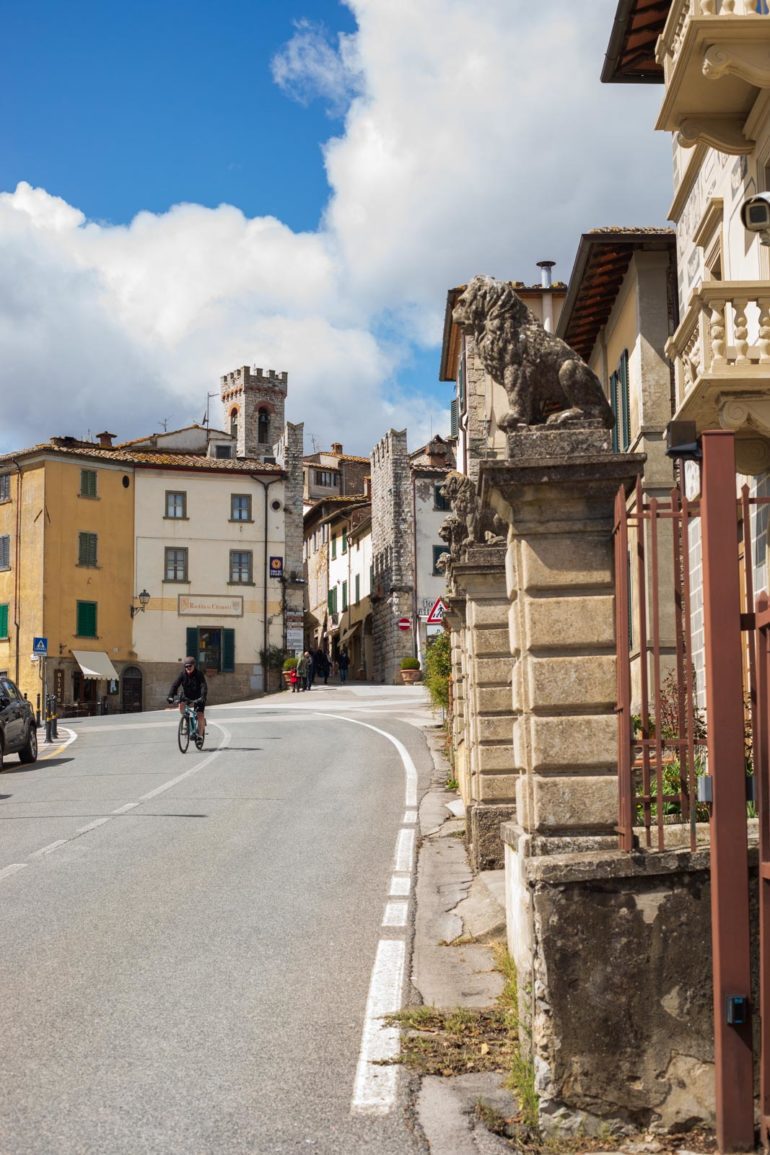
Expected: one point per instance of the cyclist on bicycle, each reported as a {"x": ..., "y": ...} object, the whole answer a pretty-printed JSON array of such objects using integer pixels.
[{"x": 194, "y": 690}]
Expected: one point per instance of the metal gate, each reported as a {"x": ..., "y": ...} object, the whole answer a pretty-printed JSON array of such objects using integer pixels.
[{"x": 693, "y": 704}]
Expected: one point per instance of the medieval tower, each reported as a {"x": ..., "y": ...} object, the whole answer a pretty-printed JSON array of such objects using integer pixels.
[{"x": 254, "y": 403}]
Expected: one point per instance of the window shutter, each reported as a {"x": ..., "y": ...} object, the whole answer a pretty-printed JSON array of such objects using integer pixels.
[
  {"x": 454, "y": 423},
  {"x": 86, "y": 620},
  {"x": 5, "y": 552},
  {"x": 4, "y": 621},
  {"x": 192, "y": 643},
  {"x": 625, "y": 401},
  {"x": 228, "y": 651}
]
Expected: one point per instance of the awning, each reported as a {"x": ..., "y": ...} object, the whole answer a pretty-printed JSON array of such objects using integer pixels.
[
  {"x": 95, "y": 664},
  {"x": 349, "y": 633}
]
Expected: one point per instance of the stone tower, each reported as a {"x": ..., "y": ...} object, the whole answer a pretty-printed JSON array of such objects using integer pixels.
[
  {"x": 254, "y": 401},
  {"x": 392, "y": 554}
]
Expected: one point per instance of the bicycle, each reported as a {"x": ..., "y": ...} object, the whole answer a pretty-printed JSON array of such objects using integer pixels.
[{"x": 188, "y": 728}]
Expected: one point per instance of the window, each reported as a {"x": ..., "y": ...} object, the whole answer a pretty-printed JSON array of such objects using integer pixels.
[
  {"x": 241, "y": 566},
  {"x": 4, "y": 621},
  {"x": 344, "y": 595},
  {"x": 327, "y": 477},
  {"x": 86, "y": 620},
  {"x": 88, "y": 483},
  {"x": 176, "y": 505},
  {"x": 620, "y": 403},
  {"x": 5, "y": 487},
  {"x": 213, "y": 647},
  {"x": 234, "y": 424},
  {"x": 437, "y": 552},
  {"x": 334, "y": 545},
  {"x": 358, "y": 588},
  {"x": 5, "y": 551},
  {"x": 263, "y": 426},
  {"x": 331, "y": 601},
  {"x": 344, "y": 541},
  {"x": 223, "y": 450},
  {"x": 87, "y": 549},
  {"x": 439, "y": 501},
  {"x": 176, "y": 565},
  {"x": 240, "y": 507}
]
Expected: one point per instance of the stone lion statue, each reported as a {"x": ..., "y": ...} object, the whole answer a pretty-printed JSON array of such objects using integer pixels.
[
  {"x": 467, "y": 524},
  {"x": 546, "y": 381}
]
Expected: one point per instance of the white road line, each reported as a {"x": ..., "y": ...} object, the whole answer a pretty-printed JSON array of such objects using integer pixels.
[
  {"x": 93, "y": 825},
  {"x": 410, "y": 769},
  {"x": 400, "y": 885},
  {"x": 123, "y": 809},
  {"x": 49, "y": 848},
  {"x": 374, "y": 1090},
  {"x": 188, "y": 773},
  {"x": 404, "y": 851},
  {"x": 395, "y": 913},
  {"x": 12, "y": 868},
  {"x": 410, "y": 818}
]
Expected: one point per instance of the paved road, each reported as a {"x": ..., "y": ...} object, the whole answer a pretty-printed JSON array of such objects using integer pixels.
[{"x": 192, "y": 946}]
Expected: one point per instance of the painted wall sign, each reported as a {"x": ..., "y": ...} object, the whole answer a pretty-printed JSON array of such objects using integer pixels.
[{"x": 211, "y": 605}]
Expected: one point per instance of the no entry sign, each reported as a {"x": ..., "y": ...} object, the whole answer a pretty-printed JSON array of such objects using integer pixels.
[{"x": 405, "y": 623}]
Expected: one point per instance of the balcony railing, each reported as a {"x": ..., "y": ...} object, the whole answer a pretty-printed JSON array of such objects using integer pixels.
[
  {"x": 683, "y": 11},
  {"x": 724, "y": 336}
]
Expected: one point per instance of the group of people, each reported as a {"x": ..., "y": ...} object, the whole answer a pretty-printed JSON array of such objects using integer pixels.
[{"x": 315, "y": 664}]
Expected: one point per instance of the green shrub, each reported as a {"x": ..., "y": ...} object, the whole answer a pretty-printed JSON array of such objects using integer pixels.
[
  {"x": 410, "y": 664},
  {"x": 438, "y": 668},
  {"x": 290, "y": 663}
]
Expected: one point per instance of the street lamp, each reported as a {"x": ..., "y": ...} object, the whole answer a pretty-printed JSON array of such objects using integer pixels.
[{"x": 143, "y": 598}]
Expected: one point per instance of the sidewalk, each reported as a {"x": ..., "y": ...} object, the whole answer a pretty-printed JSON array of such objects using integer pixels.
[{"x": 458, "y": 917}]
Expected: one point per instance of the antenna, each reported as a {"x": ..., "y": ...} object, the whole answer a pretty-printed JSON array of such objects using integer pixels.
[
  {"x": 164, "y": 424},
  {"x": 314, "y": 442},
  {"x": 208, "y": 402}
]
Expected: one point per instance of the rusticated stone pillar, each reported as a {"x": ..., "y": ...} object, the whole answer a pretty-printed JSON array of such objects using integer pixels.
[
  {"x": 458, "y": 719},
  {"x": 557, "y": 491},
  {"x": 491, "y": 778}
]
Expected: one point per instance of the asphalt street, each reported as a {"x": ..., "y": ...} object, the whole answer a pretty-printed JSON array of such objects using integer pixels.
[{"x": 196, "y": 948}]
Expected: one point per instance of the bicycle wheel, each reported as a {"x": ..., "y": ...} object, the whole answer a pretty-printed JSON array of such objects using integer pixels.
[{"x": 184, "y": 733}]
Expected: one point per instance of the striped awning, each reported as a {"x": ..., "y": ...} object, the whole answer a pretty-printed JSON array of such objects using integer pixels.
[{"x": 95, "y": 664}]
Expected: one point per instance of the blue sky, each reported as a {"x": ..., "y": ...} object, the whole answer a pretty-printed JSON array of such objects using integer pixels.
[{"x": 185, "y": 188}]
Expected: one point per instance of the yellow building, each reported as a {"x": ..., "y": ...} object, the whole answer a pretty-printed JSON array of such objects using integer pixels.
[{"x": 66, "y": 569}]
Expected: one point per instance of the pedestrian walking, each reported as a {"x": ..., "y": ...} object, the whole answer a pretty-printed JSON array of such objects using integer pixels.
[
  {"x": 302, "y": 666},
  {"x": 343, "y": 661},
  {"x": 322, "y": 666}
]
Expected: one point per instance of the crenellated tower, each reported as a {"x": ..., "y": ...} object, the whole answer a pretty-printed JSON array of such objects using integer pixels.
[{"x": 254, "y": 401}]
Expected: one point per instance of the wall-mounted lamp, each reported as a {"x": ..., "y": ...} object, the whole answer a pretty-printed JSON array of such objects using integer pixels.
[{"x": 143, "y": 598}]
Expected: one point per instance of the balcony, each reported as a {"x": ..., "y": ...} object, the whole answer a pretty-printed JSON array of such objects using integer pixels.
[
  {"x": 721, "y": 357},
  {"x": 715, "y": 56}
]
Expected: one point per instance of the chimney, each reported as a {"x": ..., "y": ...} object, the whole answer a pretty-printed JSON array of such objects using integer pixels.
[
  {"x": 337, "y": 448},
  {"x": 545, "y": 272},
  {"x": 105, "y": 440}
]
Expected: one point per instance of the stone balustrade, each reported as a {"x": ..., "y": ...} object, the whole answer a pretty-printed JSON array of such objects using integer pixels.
[
  {"x": 724, "y": 333},
  {"x": 683, "y": 12}
]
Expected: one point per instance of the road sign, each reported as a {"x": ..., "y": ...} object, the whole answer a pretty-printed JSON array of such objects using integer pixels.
[
  {"x": 436, "y": 615},
  {"x": 405, "y": 623},
  {"x": 40, "y": 647}
]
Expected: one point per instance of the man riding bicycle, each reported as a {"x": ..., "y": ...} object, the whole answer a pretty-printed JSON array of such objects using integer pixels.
[{"x": 194, "y": 690}]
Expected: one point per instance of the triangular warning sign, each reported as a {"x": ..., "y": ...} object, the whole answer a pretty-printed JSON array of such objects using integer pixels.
[{"x": 436, "y": 615}]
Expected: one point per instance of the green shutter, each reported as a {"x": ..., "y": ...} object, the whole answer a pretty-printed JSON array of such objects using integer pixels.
[
  {"x": 228, "y": 651},
  {"x": 4, "y": 621},
  {"x": 192, "y": 643},
  {"x": 86, "y": 620}
]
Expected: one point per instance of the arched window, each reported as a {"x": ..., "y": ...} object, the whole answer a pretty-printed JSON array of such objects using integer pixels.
[
  {"x": 234, "y": 423},
  {"x": 263, "y": 426}
]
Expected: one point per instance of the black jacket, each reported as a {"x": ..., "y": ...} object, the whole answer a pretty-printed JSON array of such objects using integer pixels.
[{"x": 194, "y": 686}]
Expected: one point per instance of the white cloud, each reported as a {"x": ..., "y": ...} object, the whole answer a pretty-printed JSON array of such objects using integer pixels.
[{"x": 476, "y": 138}]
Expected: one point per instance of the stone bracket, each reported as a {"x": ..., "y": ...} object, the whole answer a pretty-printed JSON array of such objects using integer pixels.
[
  {"x": 724, "y": 133},
  {"x": 749, "y": 62}
]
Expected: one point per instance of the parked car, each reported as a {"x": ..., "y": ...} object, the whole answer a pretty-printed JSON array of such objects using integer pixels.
[{"x": 18, "y": 729}]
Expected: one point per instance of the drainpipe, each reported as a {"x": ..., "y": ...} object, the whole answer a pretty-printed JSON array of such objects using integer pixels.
[
  {"x": 17, "y": 567},
  {"x": 545, "y": 281},
  {"x": 265, "y": 487}
]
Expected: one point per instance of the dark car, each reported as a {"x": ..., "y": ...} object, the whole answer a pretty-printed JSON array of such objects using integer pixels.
[{"x": 18, "y": 734}]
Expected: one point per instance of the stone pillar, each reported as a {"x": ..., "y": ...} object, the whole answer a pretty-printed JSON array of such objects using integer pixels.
[
  {"x": 491, "y": 776},
  {"x": 557, "y": 492},
  {"x": 458, "y": 716}
]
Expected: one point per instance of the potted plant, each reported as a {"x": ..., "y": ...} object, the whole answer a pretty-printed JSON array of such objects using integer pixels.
[
  {"x": 410, "y": 671},
  {"x": 289, "y": 664}
]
